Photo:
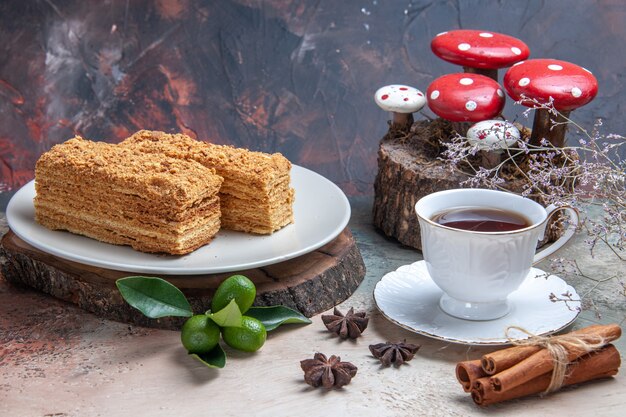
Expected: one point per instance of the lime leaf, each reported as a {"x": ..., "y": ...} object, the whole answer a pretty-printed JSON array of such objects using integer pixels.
[
  {"x": 215, "y": 358},
  {"x": 229, "y": 316},
  {"x": 154, "y": 297},
  {"x": 274, "y": 316}
]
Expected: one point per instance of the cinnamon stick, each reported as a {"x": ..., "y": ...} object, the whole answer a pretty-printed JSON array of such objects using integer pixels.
[
  {"x": 599, "y": 364},
  {"x": 500, "y": 360},
  {"x": 541, "y": 362},
  {"x": 469, "y": 371},
  {"x": 497, "y": 361}
]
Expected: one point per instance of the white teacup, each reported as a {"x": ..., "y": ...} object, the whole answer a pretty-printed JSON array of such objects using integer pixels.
[{"x": 478, "y": 270}]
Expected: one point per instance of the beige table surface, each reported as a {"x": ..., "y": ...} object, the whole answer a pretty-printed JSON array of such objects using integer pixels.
[{"x": 56, "y": 360}]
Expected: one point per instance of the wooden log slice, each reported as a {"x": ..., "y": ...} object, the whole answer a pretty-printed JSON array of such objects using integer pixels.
[
  {"x": 409, "y": 169},
  {"x": 311, "y": 283},
  {"x": 406, "y": 173}
]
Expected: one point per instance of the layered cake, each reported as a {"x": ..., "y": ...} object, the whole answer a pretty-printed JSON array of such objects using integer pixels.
[
  {"x": 122, "y": 196},
  {"x": 255, "y": 197}
]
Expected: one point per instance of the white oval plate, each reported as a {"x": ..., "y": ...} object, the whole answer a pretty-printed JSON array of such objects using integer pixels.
[
  {"x": 409, "y": 298},
  {"x": 321, "y": 212}
]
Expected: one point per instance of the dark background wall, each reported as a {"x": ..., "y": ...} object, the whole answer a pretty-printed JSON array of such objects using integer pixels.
[{"x": 291, "y": 76}]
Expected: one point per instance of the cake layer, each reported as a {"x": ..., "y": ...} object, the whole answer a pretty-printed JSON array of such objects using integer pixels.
[
  {"x": 236, "y": 215},
  {"x": 242, "y": 189},
  {"x": 60, "y": 202},
  {"x": 125, "y": 197},
  {"x": 257, "y": 169},
  {"x": 255, "y": 196},
  {"x": 105, "y": 199},
  {"x": 171, "y": 181},
  {"x": 110, "y": 231}
]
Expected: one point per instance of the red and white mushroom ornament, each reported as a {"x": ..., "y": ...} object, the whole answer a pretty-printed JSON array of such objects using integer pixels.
[
  {"x": 492, "y": 138},
  {"x": 479, "y": 51},
  {"x": 402, "y": 101},
  {"x": 465, "y": 97},
  {"x": 538, "y": 82}
]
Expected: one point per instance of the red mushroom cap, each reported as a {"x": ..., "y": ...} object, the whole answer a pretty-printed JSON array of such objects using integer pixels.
[
  {"x": 569, "y": 85},
  {"x": 465, "y": 97},
  {"x": 479, "y": 49}
]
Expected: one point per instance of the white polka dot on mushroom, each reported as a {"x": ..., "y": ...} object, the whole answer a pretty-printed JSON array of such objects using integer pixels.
[
  {"x": 500, "y": 93},
  {"x": 516, "y": 50},
  {"x": 471, "y": 105},
  {"x": 486, "y": 35},
  {"x": 555, "y": 67},
  {"x": 576, "y": 92},
  {"x": 464, "y": 46},
  {"x": 434, "y": 95},
  {"x": 466, "y": 81},
  {"x": 524, "y": 82}
]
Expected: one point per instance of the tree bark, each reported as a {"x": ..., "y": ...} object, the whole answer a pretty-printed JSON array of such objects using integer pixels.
[
  {"x": 311, "y": 283},
  {"x": 406, "y": 174},
  {"x": 407, "y": 171}
]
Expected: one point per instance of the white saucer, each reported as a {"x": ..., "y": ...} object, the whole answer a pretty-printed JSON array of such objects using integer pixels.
[{"x": 409, "y": 298}]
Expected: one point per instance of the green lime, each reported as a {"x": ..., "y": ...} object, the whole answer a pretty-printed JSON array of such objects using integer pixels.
[
  {"x": 237, "y": 287},
  {"x": 249, "y": 337},
  {"x": 200, "y": 334}
]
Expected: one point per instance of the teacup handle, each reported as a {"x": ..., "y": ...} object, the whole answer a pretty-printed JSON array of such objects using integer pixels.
[{"x": 571, "y": 229}]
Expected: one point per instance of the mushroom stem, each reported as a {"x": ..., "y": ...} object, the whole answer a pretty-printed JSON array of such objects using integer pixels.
[
  {"x": 543, "y": 127},
  {"x": 402, "y": 120},
  {"x": 490, "y": 159},
  {"x": 491, "y": 73},
  {"x": 461, "y": 127}
]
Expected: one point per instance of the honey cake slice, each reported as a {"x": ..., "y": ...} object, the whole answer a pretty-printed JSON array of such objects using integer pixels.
[
  {"x": 255, "y": 197},
  {"x": 121, "y": 196}
]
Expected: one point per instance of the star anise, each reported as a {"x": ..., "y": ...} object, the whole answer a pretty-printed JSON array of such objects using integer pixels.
[
  {"x": 351, "y": 325},
  {"x": 396, "y": 353},
  {"x": 329, "y": 372}
]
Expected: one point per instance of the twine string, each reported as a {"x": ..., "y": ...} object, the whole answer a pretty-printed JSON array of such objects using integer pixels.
[{"x": 558, "y": 347}]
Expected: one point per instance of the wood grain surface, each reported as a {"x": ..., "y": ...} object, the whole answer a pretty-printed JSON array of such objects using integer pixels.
[
  {"x": 310, "y": 283},
  {"x": 406, "y": 173},
  {"x": 409, "y": 169}
]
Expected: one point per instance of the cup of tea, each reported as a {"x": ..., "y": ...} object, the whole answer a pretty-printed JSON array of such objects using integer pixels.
[{"x": 479, "y": 246}]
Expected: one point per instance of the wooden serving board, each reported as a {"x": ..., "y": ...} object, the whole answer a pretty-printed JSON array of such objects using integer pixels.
[{"x": 311, "y": 283}]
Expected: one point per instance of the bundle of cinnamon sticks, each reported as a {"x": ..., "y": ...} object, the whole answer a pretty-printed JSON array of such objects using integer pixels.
[{"x": 528, "y": 369}]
